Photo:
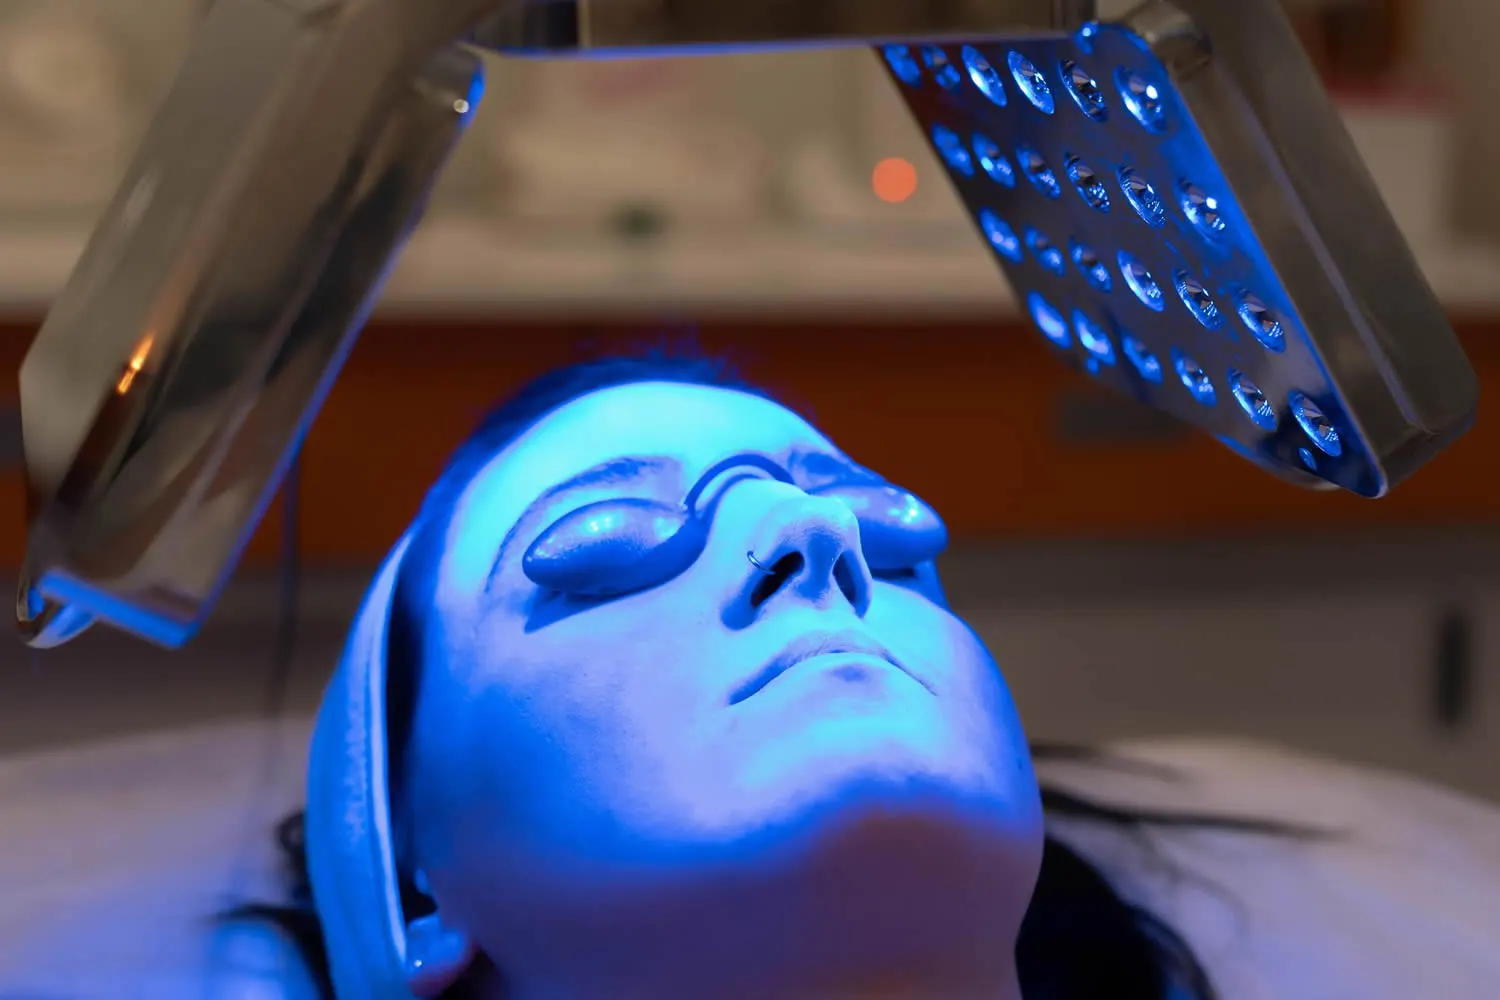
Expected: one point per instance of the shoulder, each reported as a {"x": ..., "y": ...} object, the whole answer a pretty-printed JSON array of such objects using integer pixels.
[
  {"x": 1401, "y": 898},
  {"x": 119, "y": 855},
  {"x": 251, "y": 960}
]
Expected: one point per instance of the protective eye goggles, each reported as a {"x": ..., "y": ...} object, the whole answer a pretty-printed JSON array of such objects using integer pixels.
[{"x": 623, "y": 545}]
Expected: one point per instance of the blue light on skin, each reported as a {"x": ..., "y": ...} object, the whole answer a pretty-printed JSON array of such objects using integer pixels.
[{"x": 593, "y": 808}]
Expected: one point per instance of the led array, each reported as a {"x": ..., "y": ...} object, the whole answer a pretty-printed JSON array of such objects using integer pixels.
[{"x": 1103, "y": 189}]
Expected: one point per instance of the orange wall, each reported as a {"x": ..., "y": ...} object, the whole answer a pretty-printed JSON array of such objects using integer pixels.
[{"x": 915, "y": 400}]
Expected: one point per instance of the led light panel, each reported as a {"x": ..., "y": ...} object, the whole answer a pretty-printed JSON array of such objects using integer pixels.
[{"x": 1164, "y": 270}]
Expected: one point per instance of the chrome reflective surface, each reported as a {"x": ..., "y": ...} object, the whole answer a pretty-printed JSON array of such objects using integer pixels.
[
  {"x": 192, "y": 346},
  {"x": 198, "y": 334}
]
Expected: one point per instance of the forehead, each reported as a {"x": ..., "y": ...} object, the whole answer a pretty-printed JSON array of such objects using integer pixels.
[{"x": 693, "y": 424}]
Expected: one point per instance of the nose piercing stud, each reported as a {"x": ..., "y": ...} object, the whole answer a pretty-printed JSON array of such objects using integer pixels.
[{"x": 760, "y": 567}]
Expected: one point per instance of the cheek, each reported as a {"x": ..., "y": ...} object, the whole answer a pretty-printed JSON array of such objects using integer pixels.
[
  {"x": 917, "y": 629},
  {"x": 596, "y": 702},
  {"x": 954, "y": 661}
]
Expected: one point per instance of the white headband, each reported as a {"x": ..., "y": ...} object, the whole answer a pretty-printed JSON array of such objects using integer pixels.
[{"x": 348, "y": 835}]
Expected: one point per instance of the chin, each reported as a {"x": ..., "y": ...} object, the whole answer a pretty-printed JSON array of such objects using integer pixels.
[
  {"x": 845, "y": 774},
  {"x": 883, "y": 834}
]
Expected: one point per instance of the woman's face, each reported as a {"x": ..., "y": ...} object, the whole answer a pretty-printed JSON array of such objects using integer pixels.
[{"x": 594, "y": 777}]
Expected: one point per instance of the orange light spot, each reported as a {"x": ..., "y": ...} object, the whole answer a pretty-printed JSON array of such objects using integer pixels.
[
  {"x": 135, "y": 364},
  {"x": 894, "y": 180}
]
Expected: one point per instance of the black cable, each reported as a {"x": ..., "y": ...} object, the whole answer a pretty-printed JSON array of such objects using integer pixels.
[
  {"x": 278, "y": 682},
  {"x": 289, "y": 590}
]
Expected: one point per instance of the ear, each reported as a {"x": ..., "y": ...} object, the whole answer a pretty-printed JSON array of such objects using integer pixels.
[{"x": 437, "y": 956}]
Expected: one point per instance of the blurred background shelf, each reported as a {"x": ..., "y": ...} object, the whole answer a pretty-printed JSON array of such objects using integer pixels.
[{"x": 977, "y": 415}]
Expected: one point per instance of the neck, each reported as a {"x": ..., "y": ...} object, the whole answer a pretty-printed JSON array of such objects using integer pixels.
[
  {"x": 806, "y": 953},
  {"x": 800, "y": 950},
  {"x": 818, "y": 959},
  {"x": 869, "y": 985},
  {"x": 913, "y": 986},
  {"x": 888, "y": 910}
]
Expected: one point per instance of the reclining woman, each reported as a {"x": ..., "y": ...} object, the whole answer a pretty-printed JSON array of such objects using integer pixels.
[{"x": 660, "y": 697}]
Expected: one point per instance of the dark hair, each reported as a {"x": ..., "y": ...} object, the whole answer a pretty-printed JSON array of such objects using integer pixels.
[{"x": 1080, "y": 940}]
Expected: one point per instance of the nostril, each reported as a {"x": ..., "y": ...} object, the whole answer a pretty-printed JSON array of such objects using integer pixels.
[
  {"x": 847, "y": 579},
  {"x": 776, "y": 577}
]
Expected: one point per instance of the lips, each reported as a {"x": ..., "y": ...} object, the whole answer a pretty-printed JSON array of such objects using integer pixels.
[{"x": 807, "y": 646}]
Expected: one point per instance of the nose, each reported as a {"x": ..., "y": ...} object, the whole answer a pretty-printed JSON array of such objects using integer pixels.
[{"x": 804, "y": 548}]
